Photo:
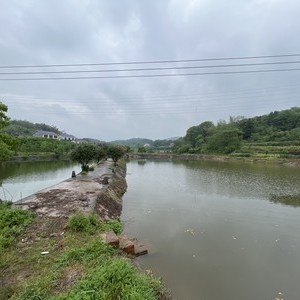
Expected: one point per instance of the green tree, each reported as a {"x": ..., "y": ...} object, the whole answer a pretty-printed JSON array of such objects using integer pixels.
[
  {"x": 84, "y": 154},
  {"x": 8, "y": 144},
  {"x": 225, "y": 140},
  {"x": 203, "y": 130},
  {"x": 142, "y": 149},
  {"x": 101, "y": 153},
  {"x": 4, "y": 120},
  {"x": 115, "y": 152}
]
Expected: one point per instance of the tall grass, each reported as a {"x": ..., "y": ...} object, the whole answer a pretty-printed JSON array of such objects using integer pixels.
[
  {"x": 12, "y": 223},
  {"x": 115, "y": 279},
  {"x": 90, "y": 223}
]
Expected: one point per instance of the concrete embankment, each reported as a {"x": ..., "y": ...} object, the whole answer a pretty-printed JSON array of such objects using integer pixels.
[{"x": 87, "y": 193}]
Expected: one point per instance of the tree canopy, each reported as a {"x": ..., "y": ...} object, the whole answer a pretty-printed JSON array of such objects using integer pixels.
[
  {"x": 84, "y": 154},
  {"x": 278, "y": 126},
  {"x": 115, "y": 152},
  {"x": 8, "y": 144},
  {"x": 4, "y": 120}
]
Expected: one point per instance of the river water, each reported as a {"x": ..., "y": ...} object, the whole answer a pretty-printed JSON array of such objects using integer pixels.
[
  {"x": 217, "y": 230},
  {"x": 21, "y": 179}
]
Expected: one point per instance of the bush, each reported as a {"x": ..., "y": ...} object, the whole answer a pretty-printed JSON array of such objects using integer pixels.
[
  {"x": 12, "y": 223},
  {"x": 80, "y": 222},
  {"x": 114, "y": 225},
  {"x": 85, "y": 168}
]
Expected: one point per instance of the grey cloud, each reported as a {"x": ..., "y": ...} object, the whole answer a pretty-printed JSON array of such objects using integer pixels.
[{"x": 59, "y": 32}]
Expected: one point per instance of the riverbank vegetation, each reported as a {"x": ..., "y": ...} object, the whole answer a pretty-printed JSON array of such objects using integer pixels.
[
  {"x": 272, "y": 136},
  {"x": 276, "y": 135},
  {"x": 12, "y": 223},
  {"x": 85, "y": 153},
  {"x": 66, "y": 259}
]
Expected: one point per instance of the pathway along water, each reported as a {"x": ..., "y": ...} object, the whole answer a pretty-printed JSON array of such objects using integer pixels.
[{"x": 218, "y": 230}]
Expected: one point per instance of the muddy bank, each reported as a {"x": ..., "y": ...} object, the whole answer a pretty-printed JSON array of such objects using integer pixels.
[
  {"x": 290, "y": 162},
  {"x": 85, "y": 193}
]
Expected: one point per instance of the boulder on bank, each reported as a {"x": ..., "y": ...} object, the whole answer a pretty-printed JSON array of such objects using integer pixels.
[
  {"x": 110, "y": 238},
  {"x": 129, "y": 246}
]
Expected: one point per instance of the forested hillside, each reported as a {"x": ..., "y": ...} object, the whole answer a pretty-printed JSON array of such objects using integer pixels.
[
  {"x": 277, "y": 134},
  {"x": 26, "y": 128}
]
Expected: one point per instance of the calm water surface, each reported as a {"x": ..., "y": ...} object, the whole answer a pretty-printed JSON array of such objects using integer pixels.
[
  {"x": 21, "y": 179},
  {"x": 218, "y": 230}
]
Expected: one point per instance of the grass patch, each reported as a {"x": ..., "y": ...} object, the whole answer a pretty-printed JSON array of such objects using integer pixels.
[
  {"x": 94, "y": 250},
  {"x": 12, "y": 223},
  {"x": 79, "y": 265},
  {"x": 114, "y": 279},
  {"x": 90, "y": 223}
]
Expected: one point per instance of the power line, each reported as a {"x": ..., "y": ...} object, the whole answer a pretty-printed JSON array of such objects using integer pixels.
[
  {"x": 194, "y": 94},
  {"x": 151, "y": 69},
  {"x": 156, "y": 111},
  {"x": 176, "y": 99},
  {"x": 152, "y": 61},
  {"x": 149, "y": 75}
]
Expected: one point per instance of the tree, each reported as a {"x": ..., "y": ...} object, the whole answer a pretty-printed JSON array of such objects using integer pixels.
[
  {"x": 204, "y": 130},
  {"x": 4, "y": 120},
  {"x": 84, "y": 154},
  {"x": 101, "y": 153},
  {"x": 115, "y": 152},
  {"x": 142, "y": 149},
  {"x": 8, "y": 144},
  {"x": 225, "y": 140}
]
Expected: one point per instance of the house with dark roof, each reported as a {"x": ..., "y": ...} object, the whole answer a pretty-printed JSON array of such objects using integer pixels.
[
  {"x": 46, "y": 134},
  {"x": 56, "y": 136},
  {"x": 67, "y": 137}
]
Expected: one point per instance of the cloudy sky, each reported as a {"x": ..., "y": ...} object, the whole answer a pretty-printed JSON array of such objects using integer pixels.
[{"x": 66, "y": 33}]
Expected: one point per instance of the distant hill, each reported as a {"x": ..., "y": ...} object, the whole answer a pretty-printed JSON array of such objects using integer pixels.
[{"x": 26, "y": 128}]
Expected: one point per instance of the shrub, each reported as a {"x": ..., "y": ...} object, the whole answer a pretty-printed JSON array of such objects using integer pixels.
[
  {"x": 80, "y": 222},
  {"x": 12, "y": 223},
  {"x": 114, "y": 225}
]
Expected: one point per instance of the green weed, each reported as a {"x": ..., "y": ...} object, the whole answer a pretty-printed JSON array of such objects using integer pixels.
[
  {"x": 90, "y": 223},
  {"x": 94, "y": 250},
  {"x": 12, "y": 223},
  {"x": 115, "y": 279}
]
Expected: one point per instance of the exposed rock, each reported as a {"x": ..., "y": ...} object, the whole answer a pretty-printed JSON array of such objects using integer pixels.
[
  {"x": 127, "y": 245},
  {"x": 110, "y": 238},
  {"x": 105, "y": 180},
  {"x": 132, "y": 246},
  {"x": 140, "y": 249}
]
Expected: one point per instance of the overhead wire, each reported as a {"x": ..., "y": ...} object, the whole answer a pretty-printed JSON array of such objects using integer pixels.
[
  {"x": 151, "y": 69},
  {"x": 149, "y": 75},
  {"x": 153, "y": 61},
  {"x": 156, "y": 101}
]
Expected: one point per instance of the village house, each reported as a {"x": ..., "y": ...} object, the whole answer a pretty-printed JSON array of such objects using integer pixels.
[
  {"x": 46, "y": 134},
  {"x": 53, "y": 135}
]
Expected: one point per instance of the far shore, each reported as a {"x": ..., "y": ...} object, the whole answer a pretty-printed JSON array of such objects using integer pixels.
[{"x": 289, "y": 162}]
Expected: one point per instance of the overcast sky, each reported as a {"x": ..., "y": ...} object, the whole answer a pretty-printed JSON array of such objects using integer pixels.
[{"x": 95, "y": 31}]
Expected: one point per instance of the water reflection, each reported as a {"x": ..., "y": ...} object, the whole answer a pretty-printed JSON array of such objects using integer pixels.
[
  {"x": 215, "y": 230},
  {"x": 20, "y": 179},
  {"x": 291, "y": 200}
]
